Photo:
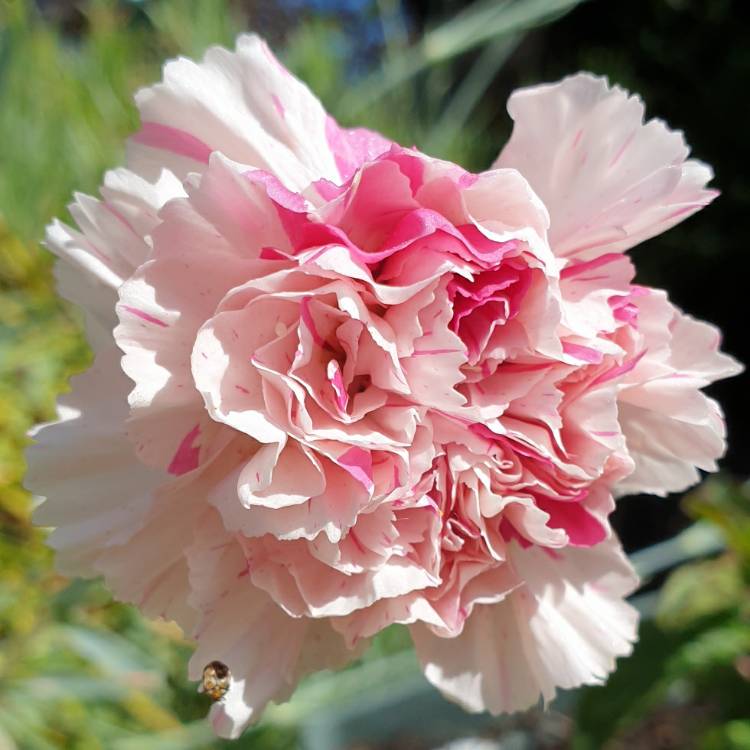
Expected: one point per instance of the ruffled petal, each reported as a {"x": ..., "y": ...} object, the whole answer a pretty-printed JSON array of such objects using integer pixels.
[
  {"x": 266, "y": 650},
  {"x": 564, "y": 628},
  {"x": 608, "y": 180},
  {"x": 242, "y": 103},
  {"x": 110, "y": 243},
  {"x": 96, "y": 494},
  {"x": 670, "y": 427}
]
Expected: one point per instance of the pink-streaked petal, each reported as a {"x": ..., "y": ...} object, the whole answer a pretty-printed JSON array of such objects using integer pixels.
[
  {"x": 670, "y": 427},
  {"x": 352, "y": 147},
  {"x": 608, "y": 180},
  {"x": 111, "y": 241},
  {"x": 242, "y": 103},
  {"x": 266, "y": 650},
  {"x": 83, "y": 464},
  {"x": 563, "y": 629}
]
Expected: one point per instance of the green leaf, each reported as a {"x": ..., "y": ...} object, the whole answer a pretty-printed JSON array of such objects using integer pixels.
[
  {"x": 475, "y": 26},
  {"x": 112, "y": 654},
  {"x": 698, "y": 590},
  {"x": 735, "y": 735},
  {"x": 636, "y": 686},
  {"x": 726, "y": 504},
  {"x": 699, "y": 540},
  {"x": 194, "y": 736},
  {"x": 47, "y": 688}
]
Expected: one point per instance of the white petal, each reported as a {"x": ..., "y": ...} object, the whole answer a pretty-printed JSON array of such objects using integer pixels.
[
  {"x": 670, "y": 427},
  {"x": 608, "y": 180},
  {"x": 564, "y": 628},
  {"x": 242, "y": 103},
  {"x": 97, "y": 491},
  {"x": 266, "y": 650},
  {"x": 112, "y": 242}
]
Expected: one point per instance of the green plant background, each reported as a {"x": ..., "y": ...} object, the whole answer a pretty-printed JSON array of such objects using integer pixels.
[{"x": 78, "y": 670}]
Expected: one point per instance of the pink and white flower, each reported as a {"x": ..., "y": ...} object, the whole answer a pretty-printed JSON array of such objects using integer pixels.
[{"x": 362, "y": 386}]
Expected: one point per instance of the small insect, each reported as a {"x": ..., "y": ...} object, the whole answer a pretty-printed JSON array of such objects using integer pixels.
[{"x": 216, "y": 680}]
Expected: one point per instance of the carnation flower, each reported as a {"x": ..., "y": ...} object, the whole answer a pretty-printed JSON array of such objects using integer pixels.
[{"x": 340, "y": 384}]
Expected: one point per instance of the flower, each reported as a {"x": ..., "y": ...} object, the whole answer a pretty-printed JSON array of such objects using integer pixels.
[{"x": 340, "y": 384}]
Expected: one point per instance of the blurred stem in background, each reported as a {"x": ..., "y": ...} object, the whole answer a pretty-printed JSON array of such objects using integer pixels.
[
  {"x": 76, "y": 669},
  {"x": 480, "y": 23}
]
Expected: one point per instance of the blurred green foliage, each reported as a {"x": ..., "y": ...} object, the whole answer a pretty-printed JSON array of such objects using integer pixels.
[
  {"x": 687, "y": 684},
  {"x": 80, "y": 671}
]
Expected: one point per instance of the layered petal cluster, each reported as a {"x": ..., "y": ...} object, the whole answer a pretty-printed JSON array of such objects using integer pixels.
[{"x": 340, "y": 384}]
